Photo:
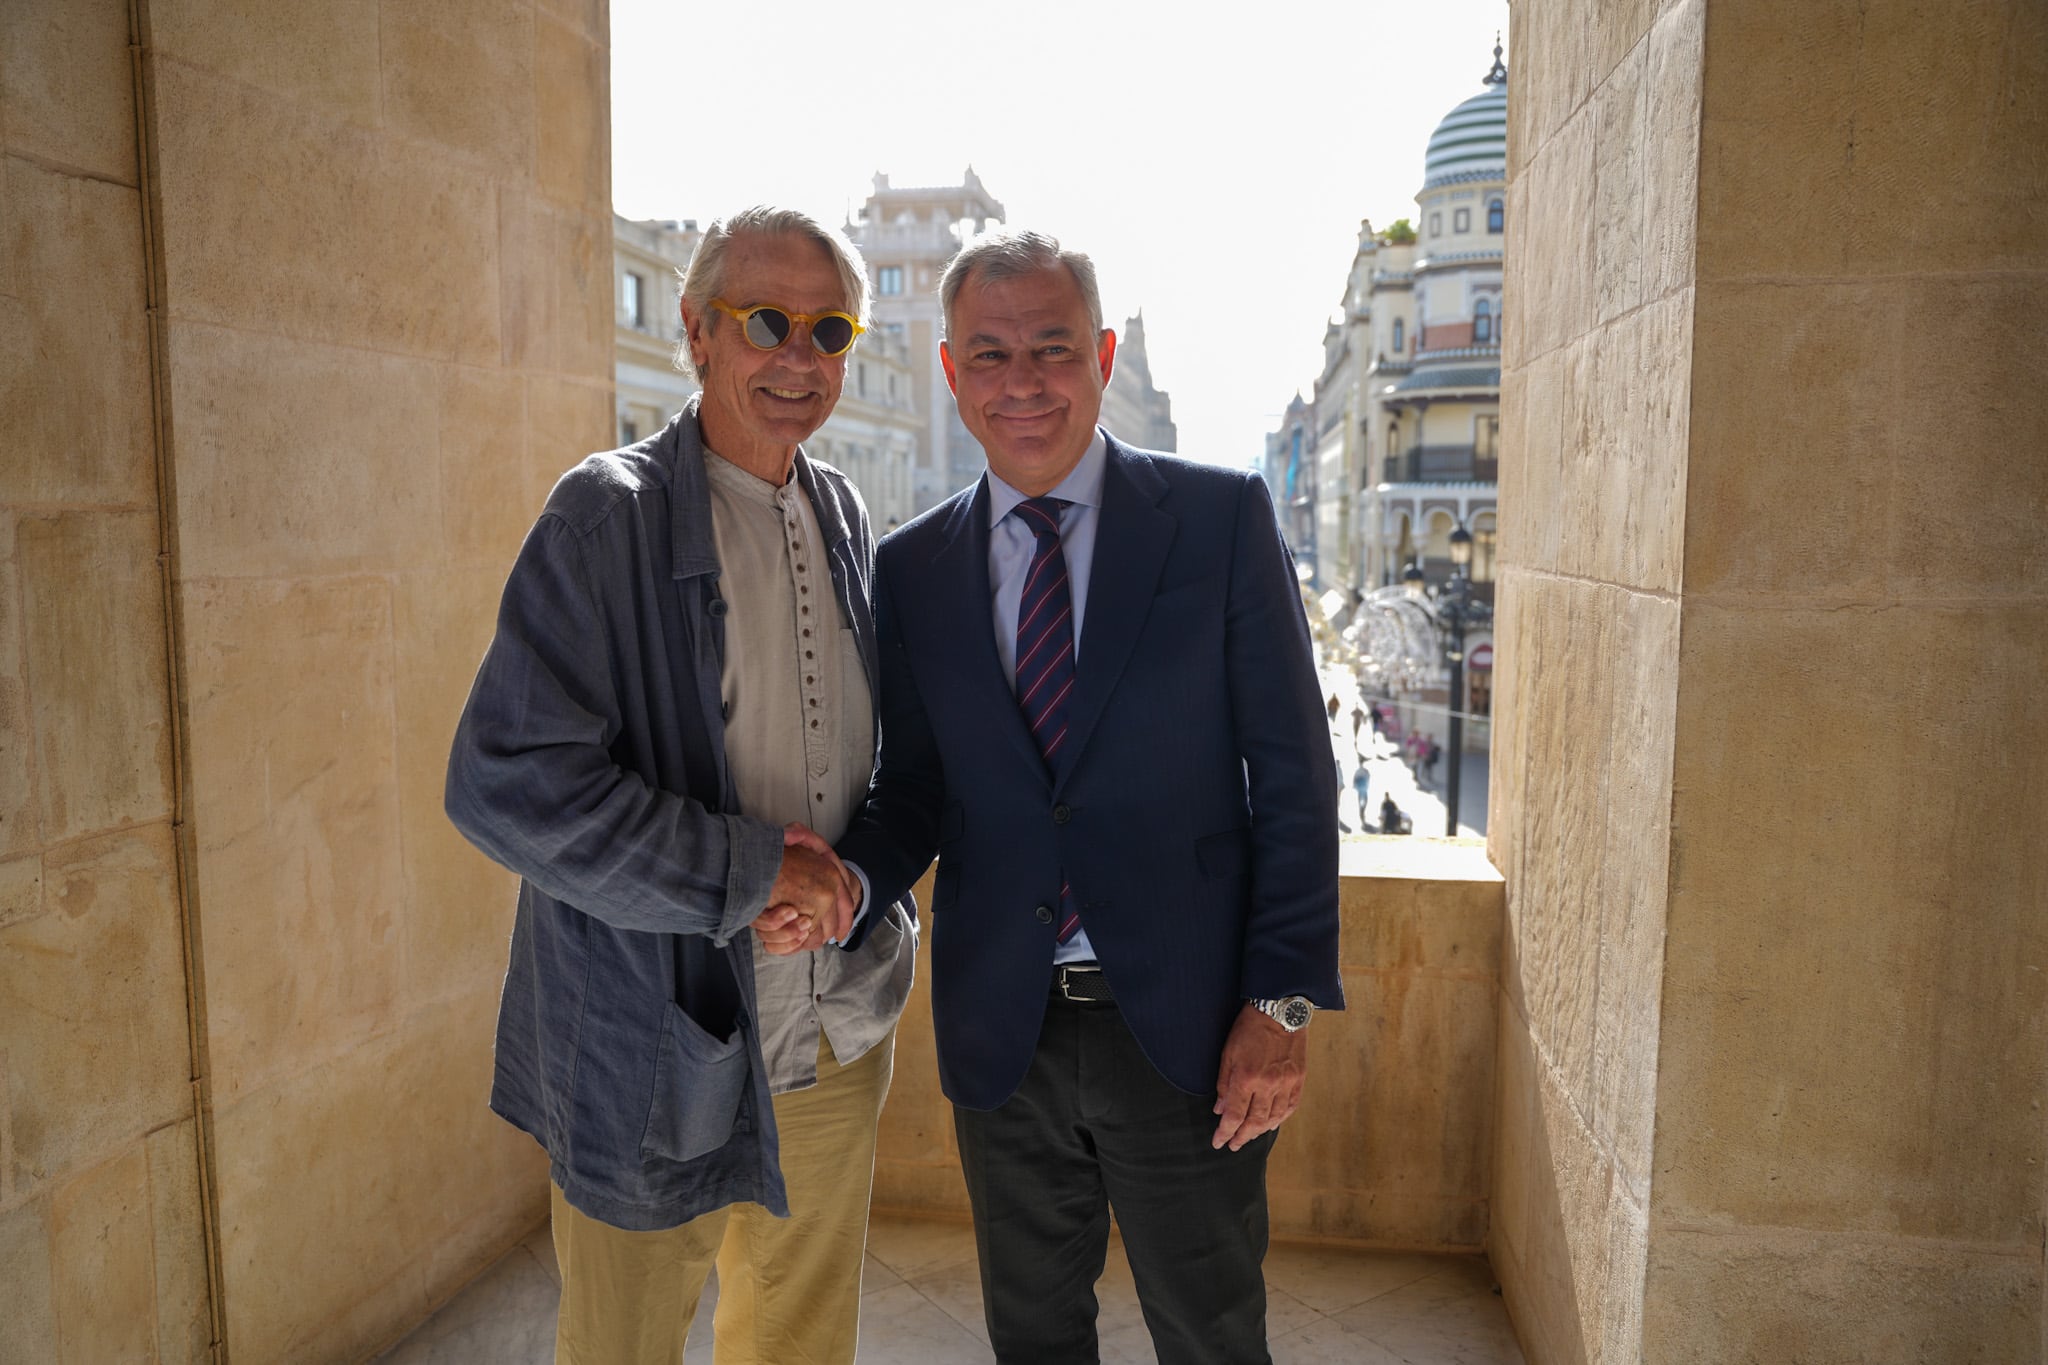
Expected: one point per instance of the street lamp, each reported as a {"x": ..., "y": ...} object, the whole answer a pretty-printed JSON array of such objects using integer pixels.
[{"x": 1456, "y": 612}]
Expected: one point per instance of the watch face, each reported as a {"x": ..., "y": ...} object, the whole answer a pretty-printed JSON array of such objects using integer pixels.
[{"x": 1295, "y": 1013}]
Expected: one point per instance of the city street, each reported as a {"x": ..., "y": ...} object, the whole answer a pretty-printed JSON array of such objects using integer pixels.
[{"x": 1421, "y": 802}]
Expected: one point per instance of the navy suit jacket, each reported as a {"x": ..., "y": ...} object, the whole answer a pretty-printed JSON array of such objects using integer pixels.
[{"x": 1193, "y": 806}]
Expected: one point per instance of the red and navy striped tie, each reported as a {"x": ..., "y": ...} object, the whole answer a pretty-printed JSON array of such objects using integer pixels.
[{"x": 1045, "y": 652}]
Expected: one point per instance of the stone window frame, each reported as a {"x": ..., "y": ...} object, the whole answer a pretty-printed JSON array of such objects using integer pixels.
[
  {"x": 1496, "y": 214},
  {"x": 1461, "y": 221},
  {"x": 889, "y": 280},
  {"x": 633, "y": 295}
]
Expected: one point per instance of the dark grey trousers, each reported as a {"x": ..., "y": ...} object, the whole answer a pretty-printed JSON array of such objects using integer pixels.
[{"x": 1095, "y": 1127}]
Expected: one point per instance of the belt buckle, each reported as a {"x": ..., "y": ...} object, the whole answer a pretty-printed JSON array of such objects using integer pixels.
[{"x": 1069, "y": 986}]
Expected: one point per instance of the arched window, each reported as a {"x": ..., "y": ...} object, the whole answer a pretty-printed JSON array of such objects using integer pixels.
[
  {"x": 1398, "y": 338},
  {"x": 1482, "y": 321},
  {"x": 1495, "y": 215}
]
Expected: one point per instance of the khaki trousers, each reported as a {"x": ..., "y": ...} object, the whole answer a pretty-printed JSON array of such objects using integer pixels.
[{"x": 788, "y": 1288}]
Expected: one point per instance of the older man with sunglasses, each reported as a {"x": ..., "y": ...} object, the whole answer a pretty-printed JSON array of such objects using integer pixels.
[{"x": 679, "y": 687}]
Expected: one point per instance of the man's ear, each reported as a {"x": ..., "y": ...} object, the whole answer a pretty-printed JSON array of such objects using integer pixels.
[
  {"x": 693, "y": 334},
  {"x": 946, "y": 364},
  {"x": 1105, "y": 354}
]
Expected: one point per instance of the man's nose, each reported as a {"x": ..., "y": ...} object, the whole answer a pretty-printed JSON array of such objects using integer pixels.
[{"x": 1021, "y": 376}]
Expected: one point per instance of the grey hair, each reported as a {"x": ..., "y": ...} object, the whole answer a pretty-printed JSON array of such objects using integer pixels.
[
  {"x": 1007, "y": 253},
  {"x": 705, "y": 278}
]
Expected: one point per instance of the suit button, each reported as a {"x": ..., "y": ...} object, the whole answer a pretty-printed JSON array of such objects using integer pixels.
[
  {"x": 1044, "y": 913},
  {"x": 1060, "y": 815}
]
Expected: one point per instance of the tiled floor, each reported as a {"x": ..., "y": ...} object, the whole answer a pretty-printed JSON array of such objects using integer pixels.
[{"x": 921, "y": 1305}]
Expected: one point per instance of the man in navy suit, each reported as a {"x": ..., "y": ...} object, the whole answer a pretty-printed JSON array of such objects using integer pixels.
[{"x": 1100, "y": 712}]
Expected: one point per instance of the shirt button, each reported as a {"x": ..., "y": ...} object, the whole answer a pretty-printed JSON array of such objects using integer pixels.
[
  {"x": 1044, "y": 913},
  {"x": 1060, "y": 815}
]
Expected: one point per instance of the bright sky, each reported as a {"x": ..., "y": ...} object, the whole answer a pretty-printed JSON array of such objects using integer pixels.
[{"x": 1214, "y": 159}]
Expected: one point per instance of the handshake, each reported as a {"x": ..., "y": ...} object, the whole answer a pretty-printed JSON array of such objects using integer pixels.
[{"x": 814, "y": 897}]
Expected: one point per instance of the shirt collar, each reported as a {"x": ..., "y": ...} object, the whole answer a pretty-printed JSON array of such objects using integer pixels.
[{"x": 1083, "y": 483}]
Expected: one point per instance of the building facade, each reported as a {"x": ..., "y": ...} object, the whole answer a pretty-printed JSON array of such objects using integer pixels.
[
  {"x": 907, "y": 234},
  {"x": 1433, "y": 416},
  {"x": 648, "y": 259},
  {"x": 1290, "y": 473},
  {"x": 1404, "y": 427},
  {"x": 1132, "y": 408}
]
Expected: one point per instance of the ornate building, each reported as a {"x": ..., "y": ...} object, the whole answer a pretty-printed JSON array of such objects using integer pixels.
[
  {"x": 1432, "y": 435},
  {"x": 1404, "y": 428},
  {"x": 908, "y": 233},
  {"x": 1132, "y": 408}
]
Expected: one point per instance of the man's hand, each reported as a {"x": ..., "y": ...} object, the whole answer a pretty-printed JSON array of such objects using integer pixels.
[
  {"x": 1259, "y": 1083},
  {"x": 813, "y": 899}
]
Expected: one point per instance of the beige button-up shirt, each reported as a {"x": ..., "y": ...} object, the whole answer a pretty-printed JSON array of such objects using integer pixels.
[{"x": 800, "y": 742}]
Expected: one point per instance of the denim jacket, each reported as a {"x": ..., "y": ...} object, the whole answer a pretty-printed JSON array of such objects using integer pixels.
[{"x": 590, "y": 760}]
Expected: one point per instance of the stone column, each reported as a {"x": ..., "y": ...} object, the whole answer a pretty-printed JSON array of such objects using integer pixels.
[
  {"x": 303, "y": 308},
  {"x": 1773, "y": 743}
]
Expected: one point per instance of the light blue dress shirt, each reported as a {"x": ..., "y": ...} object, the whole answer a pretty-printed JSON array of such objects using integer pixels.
[{"x": 1010, "y": 547}]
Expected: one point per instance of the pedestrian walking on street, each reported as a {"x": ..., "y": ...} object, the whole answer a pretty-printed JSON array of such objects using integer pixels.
[
  {"x": 1357, "y": 723},
  {"x": 1430, "y": 755},
  {"x": 1361, "y": 782}
]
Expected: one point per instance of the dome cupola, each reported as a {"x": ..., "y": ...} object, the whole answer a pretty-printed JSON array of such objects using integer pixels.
[{"x": 1472, "y": 140}]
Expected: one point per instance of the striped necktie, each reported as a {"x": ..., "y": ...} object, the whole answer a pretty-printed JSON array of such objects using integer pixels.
[{"x": 1045, "y": 652}]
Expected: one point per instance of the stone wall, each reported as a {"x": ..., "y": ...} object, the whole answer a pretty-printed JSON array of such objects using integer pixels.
[
  {"x": 1390, "y": 1146},
  {"x": 361, "y": 264},
  {"x": 102, "y": 1253},
  {"x": 1773, "y": 750}
]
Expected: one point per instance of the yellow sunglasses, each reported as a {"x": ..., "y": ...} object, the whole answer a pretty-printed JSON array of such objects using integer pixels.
[{"x": 766, "y": 327}]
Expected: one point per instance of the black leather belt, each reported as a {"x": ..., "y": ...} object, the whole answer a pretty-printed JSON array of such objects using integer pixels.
[{"x": 1084, "y": 983}]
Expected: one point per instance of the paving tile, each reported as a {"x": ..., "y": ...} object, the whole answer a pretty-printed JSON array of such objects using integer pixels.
[
  {"x": 1452, "y": 1317},
  {"x": 506, "y": 1316},
  {"x": 903, "y": 1327},
  {"x": 955, "y": 1286},
  {"x": 911, "y": 1246},
  {"x": 1332, "y": 1279},
  {"x": 874, "y": 1275},
  {"x": 540, "y": 1244},
  {"x": 921, "y": 1305},
  {"x": 1327, "y": 1342}
]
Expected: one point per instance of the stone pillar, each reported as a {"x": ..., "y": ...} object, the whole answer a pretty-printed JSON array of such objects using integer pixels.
[
  {"x": 1773, "y": 741},
  {"x": 102, "y": 1249},
  {"x": 304, "y": 308}
]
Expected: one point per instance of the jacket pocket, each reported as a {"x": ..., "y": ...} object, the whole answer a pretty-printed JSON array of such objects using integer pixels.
[
  {"x": 698, "y": 1085},
  {"x": 1225, "y": 856}
]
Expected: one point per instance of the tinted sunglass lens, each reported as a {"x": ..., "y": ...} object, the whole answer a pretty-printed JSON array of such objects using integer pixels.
[
  {"x": 768, "y": 328},
  {"x": 831, "y": 335}
]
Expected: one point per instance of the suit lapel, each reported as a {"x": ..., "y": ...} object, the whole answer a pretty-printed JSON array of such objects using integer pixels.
[
  {"x": 1132, "y": 540},
  {"x": 959, "y": 586}
]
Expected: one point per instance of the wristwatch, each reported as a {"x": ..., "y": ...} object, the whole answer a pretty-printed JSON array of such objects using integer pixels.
[{"x": 1291, "y": 1012}]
